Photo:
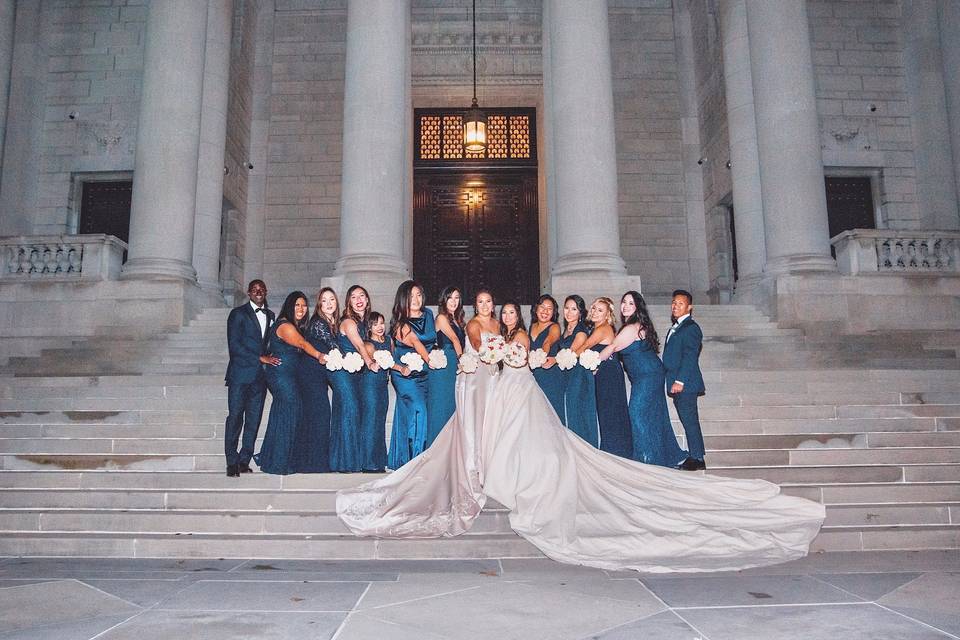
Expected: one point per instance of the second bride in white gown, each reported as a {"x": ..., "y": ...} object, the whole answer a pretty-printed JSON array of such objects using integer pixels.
[{"x": 577, "y": 504}]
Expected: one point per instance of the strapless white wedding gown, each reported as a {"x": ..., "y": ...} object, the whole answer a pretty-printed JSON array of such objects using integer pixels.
[{"x": 577, "y": 504}]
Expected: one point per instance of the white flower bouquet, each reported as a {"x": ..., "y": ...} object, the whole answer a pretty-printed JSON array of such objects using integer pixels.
[
  {"x": 537, "y": 358},
  {"x": 334, "y": 360},
  {"x": 492, "y": 349},
  {"x": 352, "y": 362},
  {"x": 590, "y": 360},
  {"x": 413, "y": 360},
  {"x": 438, "y": 359},
  {"x": 383, "y": 358},
  {"x": 566, "y": 359},
  {"x": 515, "y": 355},
  {"x": 468, "y": 363}
]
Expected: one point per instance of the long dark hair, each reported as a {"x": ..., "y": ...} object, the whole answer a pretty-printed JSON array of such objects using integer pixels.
[
  {"x": 348, "y": 311},
  {"x": 544, "y": 298},
  {"x": 493, "y": 312},
  {"x": 457, "y": 317},
  {"x": 642, "y": 317},
  {"x": 334, "y": 322},
  {"x": 581, "y": 306},
  {"x": 507, "y": 334},
  {"x": 288, "y": 313},
  {"x": 401, "y": 306}
]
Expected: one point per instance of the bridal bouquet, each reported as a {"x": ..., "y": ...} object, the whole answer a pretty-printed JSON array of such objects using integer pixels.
[
  {"x": 514, "y": 355},
  {"x": 352, "y": 362},
  {"x": 537, "y": 358},
  {"x": 468, "y": 363},
  {"x": 590, "y": 360},
  {"x": 566, "y": 359},
  {"x": 438, "y": 359},
  {"x": 334, "y": 360},
  {"x": 383, "y": 358},
  {"x": 413, "y": 360},
  {"x": 492, "y": 349}
]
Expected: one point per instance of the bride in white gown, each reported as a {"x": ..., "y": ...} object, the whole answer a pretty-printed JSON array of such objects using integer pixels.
[{"x": 577, "y": 504}]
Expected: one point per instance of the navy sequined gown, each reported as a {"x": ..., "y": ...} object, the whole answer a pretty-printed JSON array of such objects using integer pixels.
[
  {"x": 286, "y": 410},
  {"x": 653, "y": 438},
  {"x": 442, "y": 386},
  {"x": 550, "y": 380},
  {"x": 579, "y": 396},
  {"x": 409, "y": 435},
  {"x": 373, "y": 413},
  {"x": 345, "y": 420},
  {"x": 612, "y": 415},
  {"x": 312, "y": 444}
]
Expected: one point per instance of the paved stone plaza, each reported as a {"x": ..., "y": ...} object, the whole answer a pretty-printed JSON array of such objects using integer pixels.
[{"x": 849, "y": 596}]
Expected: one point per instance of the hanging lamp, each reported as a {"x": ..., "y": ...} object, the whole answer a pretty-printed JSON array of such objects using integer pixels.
[{"x": 475, "y": 124}]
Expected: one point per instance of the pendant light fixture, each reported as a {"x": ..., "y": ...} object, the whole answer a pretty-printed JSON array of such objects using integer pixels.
[{"x": 475, "y": 124}]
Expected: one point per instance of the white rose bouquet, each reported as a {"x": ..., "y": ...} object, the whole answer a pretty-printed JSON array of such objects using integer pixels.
[
  {"x": 590, "y": 360},
  {"x": 334, "y": 360},
  {"x": 413, "y": 360},
  {"x": 537, "y": 358},
  {"x": 566, "y": 359},
  {"x": 468, "y": 363},
  {"x": 515, "y": 355},
  {"x": 492, "y": 349},
  {"x": 438, "y": 359},
  {"x": 384, "y": 359},
  {"x": 352, "y": 362}
]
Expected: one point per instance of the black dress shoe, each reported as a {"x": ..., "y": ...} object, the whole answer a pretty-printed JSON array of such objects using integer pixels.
[
  {"x": 692, "y": 464},
  {"x": 233, "y": 471},
  {"x": 244, "y": 467}
]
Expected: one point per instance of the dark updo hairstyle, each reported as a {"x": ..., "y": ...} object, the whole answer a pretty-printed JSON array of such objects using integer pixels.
[
  {"x": 372, "y": 319},
  {"x": 493, "y": 312},
  {"x": 349, "y": 313},
  {"x": 457, "y": 317},
  {"x": 544, "y": 298},
  {"x": 401, "y": 306},
  {"x": 642, "y": 317},
  {"x": 288, "y": 313},
  {"x": 581, "y": 306},
  {"x": 507, "y": 334}
]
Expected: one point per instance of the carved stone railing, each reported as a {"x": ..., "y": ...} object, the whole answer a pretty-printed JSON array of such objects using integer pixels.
[
  {"x": 899, "y": 251},
  {"x": 79, "y": 257}
]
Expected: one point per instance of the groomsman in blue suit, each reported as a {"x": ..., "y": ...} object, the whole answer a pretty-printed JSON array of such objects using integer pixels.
[
  {"x": 247, "y": 327},
  {"x": 681, "y": 359}
]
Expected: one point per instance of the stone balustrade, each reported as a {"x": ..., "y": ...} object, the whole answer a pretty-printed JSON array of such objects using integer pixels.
[
  {"x": 899, "y": 251},
  {"x": 83, "y": 257}
]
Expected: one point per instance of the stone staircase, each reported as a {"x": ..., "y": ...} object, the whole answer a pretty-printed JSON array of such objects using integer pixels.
[{"x": 113, "y": 447}]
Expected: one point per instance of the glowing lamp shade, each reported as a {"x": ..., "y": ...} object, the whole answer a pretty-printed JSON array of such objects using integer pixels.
[{"x": 475, "y": 130}]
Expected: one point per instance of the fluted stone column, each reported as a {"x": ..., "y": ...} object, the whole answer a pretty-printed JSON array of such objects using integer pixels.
[
  {"x": 7, "y": 13},
  {"x": 213, "y": 138},
  {"x": 582, "y": 145},
  {"x": 168, "y": 142},
  {"x": 375, "y": 154},
  {"x": 788, "y": 138},
  {"x": 744, "y": 159}
]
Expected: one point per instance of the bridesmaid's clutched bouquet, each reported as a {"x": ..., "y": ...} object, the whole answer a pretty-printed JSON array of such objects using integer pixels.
[
  {"x": 590, "y": 360},
  {"x": 413, "y": 360},
  {"x": 537, "y": 358},
  {"x": 492, "y": 349},
  {"x": 468, "y": 363},
  {"x": 384, "y": 359},
  {"x": 352, "y": 362},
  {"x": 566, "y": 359},
  {"x": 438, "y": 359},
  {"x": 334, "y": 360},
  {"x": 515, "y": 355}
]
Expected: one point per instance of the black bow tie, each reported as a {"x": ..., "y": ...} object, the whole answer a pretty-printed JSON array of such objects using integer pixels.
[{"x": 260, "y": 310}]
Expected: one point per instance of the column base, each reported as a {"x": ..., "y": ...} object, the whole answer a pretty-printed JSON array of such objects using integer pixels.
[
  {"x": 748, "y": 290},
  {"x": 158, "y": 268},
  {"x": 799, "y": 263},
  {"x": 379, "y": 274}
]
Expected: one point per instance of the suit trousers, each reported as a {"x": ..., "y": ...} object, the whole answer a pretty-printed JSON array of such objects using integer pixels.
[
  {"x": 686, "y": 405},
  {"x": 245, "y": 409}
]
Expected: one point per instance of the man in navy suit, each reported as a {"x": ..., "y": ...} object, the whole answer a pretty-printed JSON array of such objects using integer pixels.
[
  {"x": 681, "y": 355},
  {"x": 247, "y": 328}
]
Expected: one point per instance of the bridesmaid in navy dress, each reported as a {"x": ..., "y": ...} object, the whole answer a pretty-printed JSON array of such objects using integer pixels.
[
  {"x": 350, "y": 436},
  {"x": 374, "y": 395},
  {"x": 442, "y": 382},
  {"x": 611, "y": 390},
  {"x": 312, "y": 447},
  {"x": 545, "y": 335},
  {"x": 411, "y": 328},
  {"x": 579, "y": 396},
  {"x": 285, "y": 342},
  {"x": 637, "y": 343}
]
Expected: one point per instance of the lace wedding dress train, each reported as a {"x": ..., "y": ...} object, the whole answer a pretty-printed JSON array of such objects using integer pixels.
[{"x": 577, "y": 504}]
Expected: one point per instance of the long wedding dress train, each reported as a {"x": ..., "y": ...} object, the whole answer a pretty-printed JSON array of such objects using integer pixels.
[{"x": 577, "y": 504}]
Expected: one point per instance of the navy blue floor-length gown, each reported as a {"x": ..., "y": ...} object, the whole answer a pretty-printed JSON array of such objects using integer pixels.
[
  {"x": 345, "y": 421},
  {"x": 441, "y": 396},
  {"x": 550, "y": 380},
  {"x": 286, "y": 409},
  {"x": 312, "y": 444},
  {"x": 579, "y": 396},
  {"x": 409, "y": 436},
  {"x": 612, "y": 414},
  {"x": 374, "y": 400}
]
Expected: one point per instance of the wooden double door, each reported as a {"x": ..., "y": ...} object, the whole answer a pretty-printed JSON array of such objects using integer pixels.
[{"x": 477, "y": 229}]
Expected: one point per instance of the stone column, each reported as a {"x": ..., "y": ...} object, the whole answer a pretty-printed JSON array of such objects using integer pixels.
[
  {"x": 582, "y": 145},
  {"x": 744, "y": 160},
  {"x": 788, "y": 138},
  {"x": 7, "y": 13},
  {"x": 375, "y": 152},
  {"x": 950, "y": 50},
  {"x": 213, "y": 140},
  {"x": 168, "y": 142}
]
